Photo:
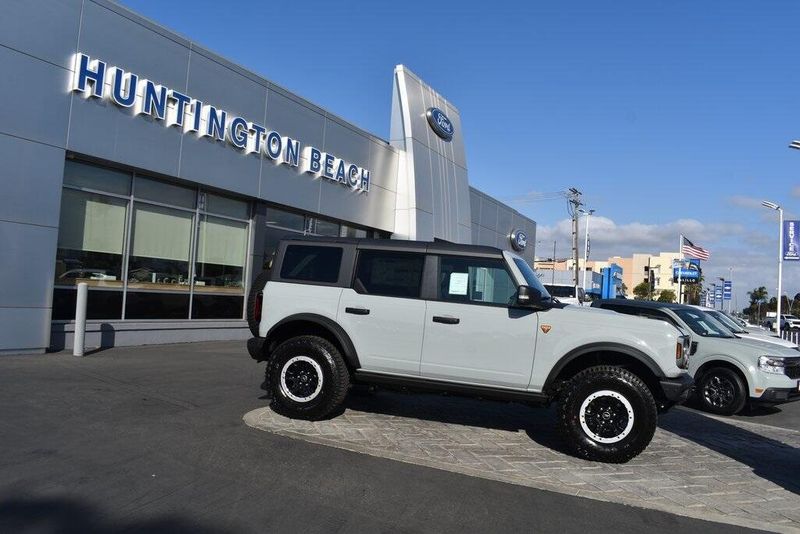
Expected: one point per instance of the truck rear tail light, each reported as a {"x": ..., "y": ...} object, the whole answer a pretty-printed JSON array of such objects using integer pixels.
[{"x": 258, "y": 304}]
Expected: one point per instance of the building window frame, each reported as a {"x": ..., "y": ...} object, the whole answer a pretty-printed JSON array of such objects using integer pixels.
[{"x": 199, "y": 211}]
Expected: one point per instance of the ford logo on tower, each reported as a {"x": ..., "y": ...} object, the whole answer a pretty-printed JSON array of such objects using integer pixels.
[
  {"x": 519, "y": 240},
  {"x": 440, "y": 123}
]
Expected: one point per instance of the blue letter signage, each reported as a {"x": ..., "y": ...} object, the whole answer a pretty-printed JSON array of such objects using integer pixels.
[{"x": 96, "y": 79}]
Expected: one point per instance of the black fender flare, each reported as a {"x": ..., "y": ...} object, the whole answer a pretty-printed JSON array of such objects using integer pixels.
[
  {"x": 350, "y": 355},
  {"x": 583, "y": 350}
]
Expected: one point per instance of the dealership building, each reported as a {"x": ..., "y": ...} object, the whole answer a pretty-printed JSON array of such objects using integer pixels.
[{"x": 163, "y": 175}]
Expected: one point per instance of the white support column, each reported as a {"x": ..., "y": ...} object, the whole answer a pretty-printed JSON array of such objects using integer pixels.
[{"x": 79, "y": 336}]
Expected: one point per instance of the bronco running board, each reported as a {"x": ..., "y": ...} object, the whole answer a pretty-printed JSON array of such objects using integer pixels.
[{"x": 441, "y": 386}]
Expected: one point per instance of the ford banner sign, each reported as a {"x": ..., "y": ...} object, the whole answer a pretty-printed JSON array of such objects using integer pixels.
[
  {"x": 440, "y": 123},
  {"x": 791, "y": 240}
]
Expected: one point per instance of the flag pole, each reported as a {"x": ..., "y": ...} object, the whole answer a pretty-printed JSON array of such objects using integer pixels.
[{"x": 680, "y": 269}]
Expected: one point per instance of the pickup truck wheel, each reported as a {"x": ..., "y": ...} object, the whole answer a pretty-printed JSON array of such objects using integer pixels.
[
  {"x": 308, "y": 378},
  {"x": 721, "y": 391},
  {"x": 607, "y": 414},
  {"x": 255, "y": 302}
]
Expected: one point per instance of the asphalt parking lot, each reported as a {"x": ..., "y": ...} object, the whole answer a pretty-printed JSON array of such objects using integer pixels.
[{"x": 153, "y": 439}]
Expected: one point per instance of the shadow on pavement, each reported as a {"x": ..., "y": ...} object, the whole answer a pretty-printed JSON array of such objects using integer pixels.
[
  {"x": 65, "y": 516},
  {"x": 769, "y": 459},
  {"x": 538, "y": 423}
]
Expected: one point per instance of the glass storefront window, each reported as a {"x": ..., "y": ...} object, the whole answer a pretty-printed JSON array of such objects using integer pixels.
[
  {"x": 349, "y": 231},
  {"x": 160, "y": 246},
  {"x": 153, "y": 305},
  {"x": 326, "y": 228},
  {"x": 91, "y": 177},
  {"x": 100, "y": 304},
  {"x": 286, "y": 219},
  {"x": 164, "y": 193},
  {"x": 90, "y": 239},
  {"x": 221, "y": 251},
  {"x": 238, "y": 209}
]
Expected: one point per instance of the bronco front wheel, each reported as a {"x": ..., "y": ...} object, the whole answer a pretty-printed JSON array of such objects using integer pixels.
[{"x": 607, "y": 414}]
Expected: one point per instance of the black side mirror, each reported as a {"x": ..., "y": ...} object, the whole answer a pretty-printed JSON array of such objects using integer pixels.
[{"x": 528, "y": 296}]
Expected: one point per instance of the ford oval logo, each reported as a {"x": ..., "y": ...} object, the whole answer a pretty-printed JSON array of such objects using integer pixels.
[
  {"x": 440, "y": 123},
  {"x": 519, "y": 240}
]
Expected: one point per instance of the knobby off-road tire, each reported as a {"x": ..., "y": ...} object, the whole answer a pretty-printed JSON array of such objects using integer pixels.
[
  {"x": 254, "y": 300},
  {"x": 308, "y": 378},
  {"x": 721, "y": 391},
  {"x": 607, "y": 414}
]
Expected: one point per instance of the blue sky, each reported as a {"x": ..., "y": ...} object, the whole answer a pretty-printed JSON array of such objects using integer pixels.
[{"x": 667, "y": 115}]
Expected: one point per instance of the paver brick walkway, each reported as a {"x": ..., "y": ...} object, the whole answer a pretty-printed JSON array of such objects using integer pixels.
[{"x": 700, "y": 466}]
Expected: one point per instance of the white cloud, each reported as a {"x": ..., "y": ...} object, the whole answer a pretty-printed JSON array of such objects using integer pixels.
[
  {"x": 751, "y": 254},
  {"x": 612, "y": 239}
]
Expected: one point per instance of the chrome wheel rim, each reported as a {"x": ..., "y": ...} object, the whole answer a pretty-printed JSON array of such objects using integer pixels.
[
  {"x": 606, "y": 416},
  {"x": 301, "y": 379}
]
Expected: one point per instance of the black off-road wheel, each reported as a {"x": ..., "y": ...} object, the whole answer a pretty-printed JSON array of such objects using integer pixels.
[
  {"x": 721, "y": 391},
  {"x": 255, "y": 302},
  {"x": 308, "y": 378},
  {"x": 607, "y": 414}
]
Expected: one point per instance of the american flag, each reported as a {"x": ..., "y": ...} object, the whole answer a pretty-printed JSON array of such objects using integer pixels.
[{"x": 691, "y": 250}]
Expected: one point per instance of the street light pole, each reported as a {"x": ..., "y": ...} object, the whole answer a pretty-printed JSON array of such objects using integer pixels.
[
  {"x": 773, "y": 206},
  {"x": 730, "y": 277},
  {"x": 588, "y": 214}
]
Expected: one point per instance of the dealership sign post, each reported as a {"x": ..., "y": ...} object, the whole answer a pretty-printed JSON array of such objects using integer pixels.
[
  {"x": 688, "y": 271},
  {"x": 791, "y": 240}
]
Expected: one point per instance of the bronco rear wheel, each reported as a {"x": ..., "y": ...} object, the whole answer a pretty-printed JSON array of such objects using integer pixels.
[
  {"x": 307, "y": 377},
  {"x": 607, "y": 414}
]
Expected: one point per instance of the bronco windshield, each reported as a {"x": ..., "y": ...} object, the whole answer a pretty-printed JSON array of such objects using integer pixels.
[
  {"x": 703, "y": 324},
  {"x": 530, "y": 277}
]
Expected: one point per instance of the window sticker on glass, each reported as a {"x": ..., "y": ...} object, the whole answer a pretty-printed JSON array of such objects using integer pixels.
[{"x": 458, "y": 283}]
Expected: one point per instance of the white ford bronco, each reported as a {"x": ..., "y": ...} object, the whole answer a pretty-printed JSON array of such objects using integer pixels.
[{"x": 461, "y": 319}]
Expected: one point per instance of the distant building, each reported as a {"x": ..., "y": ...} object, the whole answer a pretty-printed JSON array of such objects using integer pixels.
[
  {"x": 635, "y": 270},
  {"x": 603, "y": 279},
  {"x": 631, "y": 270}
]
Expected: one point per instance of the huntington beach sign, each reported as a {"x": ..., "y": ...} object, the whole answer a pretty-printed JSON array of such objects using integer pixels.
[{"x": 94, "y": 78}]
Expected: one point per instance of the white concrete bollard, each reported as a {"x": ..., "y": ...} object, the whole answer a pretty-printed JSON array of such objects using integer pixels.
[{"x": 78, "y": 337}]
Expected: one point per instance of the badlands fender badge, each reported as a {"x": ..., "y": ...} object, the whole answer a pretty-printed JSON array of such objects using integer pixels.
[{"x": 546, "y": 328}]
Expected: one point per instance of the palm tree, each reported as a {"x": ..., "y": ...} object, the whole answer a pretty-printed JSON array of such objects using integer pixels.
[{"x": 758, "y": 296}]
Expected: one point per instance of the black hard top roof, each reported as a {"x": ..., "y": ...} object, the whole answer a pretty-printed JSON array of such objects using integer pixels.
[
  {"x": 443, "y": 247},
  {"x": 650, "y": 304}
]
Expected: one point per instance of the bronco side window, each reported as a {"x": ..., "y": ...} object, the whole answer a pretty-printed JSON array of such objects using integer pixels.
[
  {"x": 475, "y": 281},
  {"x": 311, "y": 263},
  {"x": 388, "y": 273}
]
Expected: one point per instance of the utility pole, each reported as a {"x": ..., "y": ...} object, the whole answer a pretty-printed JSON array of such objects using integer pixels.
[
  {"x": 574, "y": 199},
  {"x": 553, "y": 274},
  {"x": 588, "y": 214}
]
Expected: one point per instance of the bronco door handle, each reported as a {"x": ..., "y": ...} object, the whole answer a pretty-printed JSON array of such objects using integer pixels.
[
  {"x": 357, "y": 311},
  {"x": 446, "y": 320}
]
